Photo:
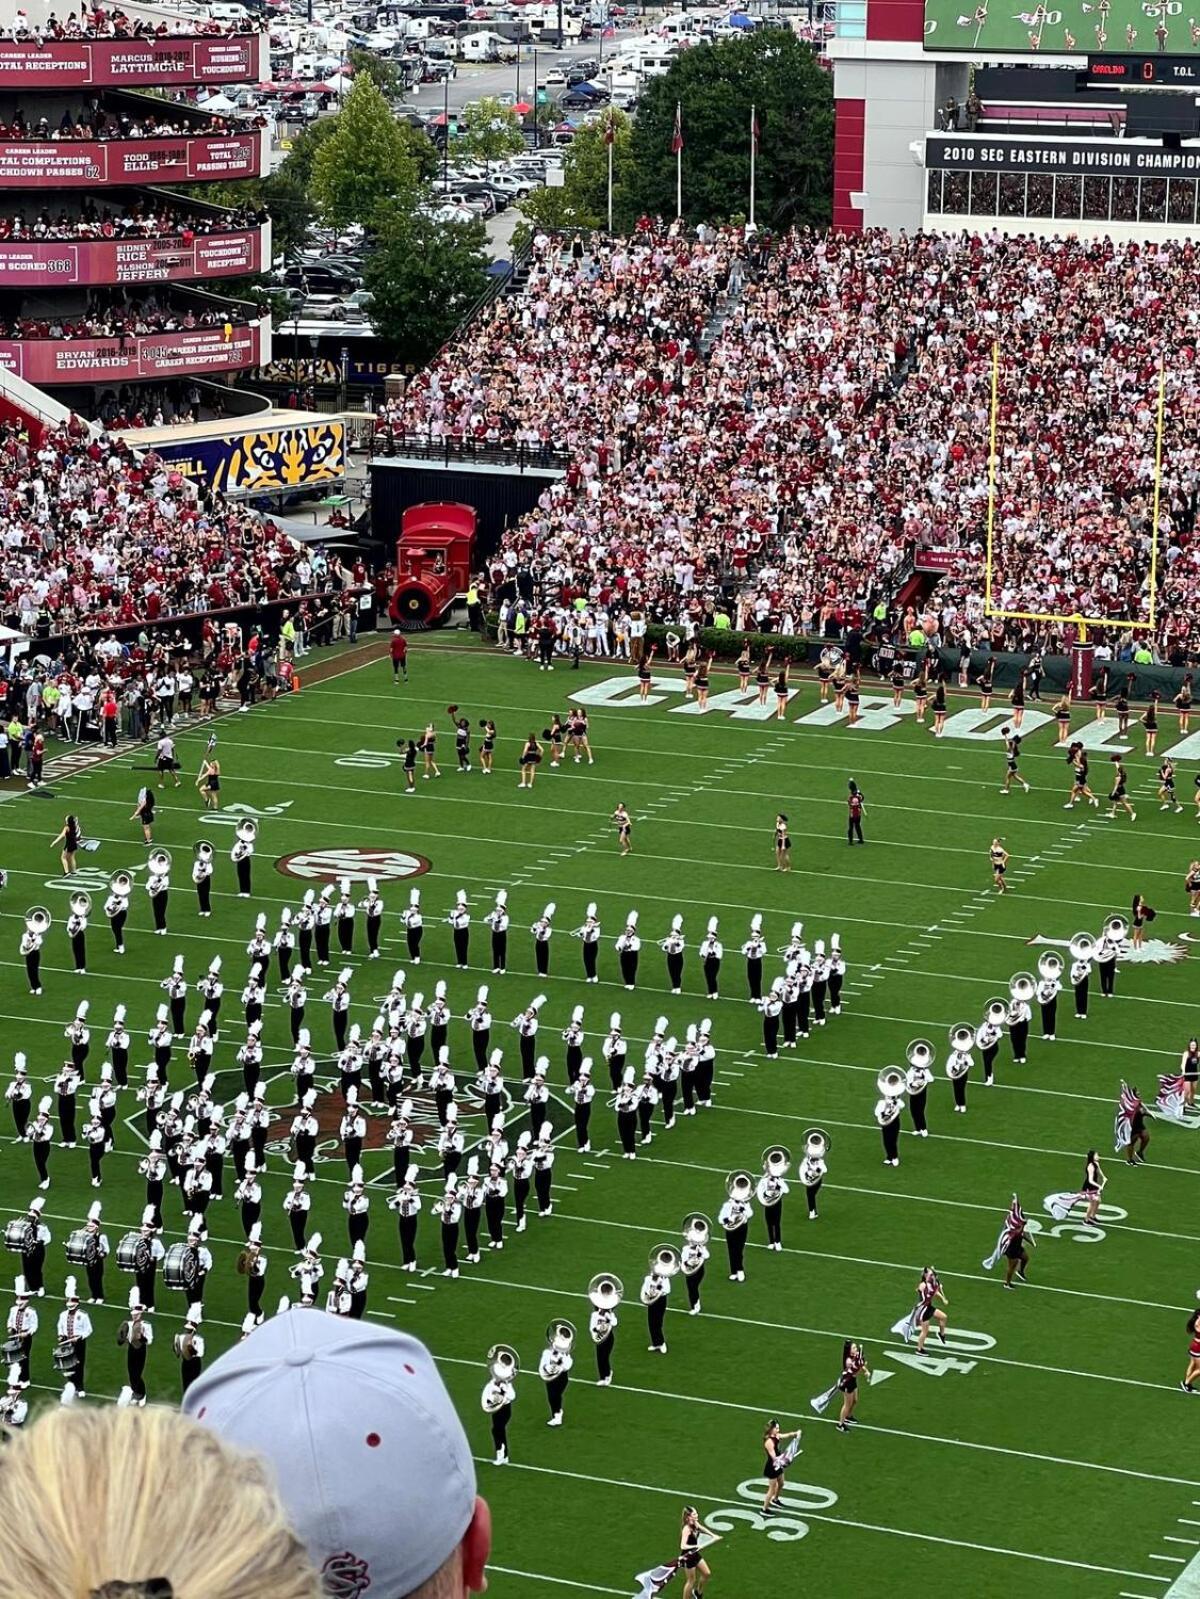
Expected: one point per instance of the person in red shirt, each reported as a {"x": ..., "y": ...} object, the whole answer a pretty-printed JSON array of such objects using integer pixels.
[{"x": 399, "y": 656}]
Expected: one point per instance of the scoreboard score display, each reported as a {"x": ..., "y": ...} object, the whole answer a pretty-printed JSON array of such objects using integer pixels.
[
  {"x": 1180, "y": 72},
  {"x": 1148, "y": 38}
]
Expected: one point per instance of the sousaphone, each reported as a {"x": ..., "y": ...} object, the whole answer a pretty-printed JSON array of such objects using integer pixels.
[
  {"x": 606, "y": 1291},
  {"x": 890, "y": 1082},
  {"x": 38, "y": 919},
  {"x": 81, "y": 904},
  {"x": 159, "y": 862},
  {"x": 1050, "y": 966},
  {"x": 816, "y": 1143}
]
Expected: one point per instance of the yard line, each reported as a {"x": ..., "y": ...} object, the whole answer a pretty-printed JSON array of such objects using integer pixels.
[
  {"x": 562, "y": 1582},
  {"x": 691, "y": 1497}
]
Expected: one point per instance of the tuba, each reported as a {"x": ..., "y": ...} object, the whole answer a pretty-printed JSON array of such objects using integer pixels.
[
  {"x": 606, "y": 1291},
  {"x": 503, "y": 1362},
  {"x": 1022, "y": 987},
  {"x": 664, "y": 1260},
  {"x": 920, "y": 1053},
  {"x": 890, "y": 1082},
  {"x": 560, "y": 1336},
  {"x": 995, "y": 1012},
  {"x": 739, "y": 1185},
  {"x": 816, "y": 1143},
  {"x": 776, "y": 1161},
  {"x": 81, "y": 903},
  {"x": 1083, "y": 947},
  {"x": 121, "y": 884},
  {"x": 247, "y": 831},
  {"x": 1050, "y": 967},
  {"x": 1116, "y": 929},
  {"x": 962, "y": 1039},
  {"x": 203, "y": 850},
  {"x": 37, "y": 920},
  {"x": 697, "y": 1229},
  {"x": 159, "y": 862}
]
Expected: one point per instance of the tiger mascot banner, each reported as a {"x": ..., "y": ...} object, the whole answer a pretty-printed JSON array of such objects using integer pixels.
[{"x": 265, "y": 461}]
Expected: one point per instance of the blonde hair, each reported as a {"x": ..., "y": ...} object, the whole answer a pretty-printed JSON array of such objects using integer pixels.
[{"x": 128, "y": 1495}]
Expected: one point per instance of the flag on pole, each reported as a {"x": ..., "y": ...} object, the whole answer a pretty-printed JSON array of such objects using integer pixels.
[
  {"x": 610, "y": 130},
  {"x": 755, "y": 131},
  {"x": 677, "y": 132}
]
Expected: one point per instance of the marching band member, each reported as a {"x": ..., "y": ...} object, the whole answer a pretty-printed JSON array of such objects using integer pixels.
[
  {"x": 916, "y": 1084},
  {"x": 305, "y": 923},
  {"x": 19, "y": 1094},
  {"x": 480, "y": 1019},
  {"x": 196, "y": 1234},
  {"x": 79, "y": 1036},
  {"x": 498, "y": 1397},
  {"x": 200, "y": 1049},
  {"x": 441, "y": 1086},
  {"x": 813, "y": 1169},
  {"x": 150, "y": 1250},
  {"x": 837, "y": 973},
  {"x": 754, "y": 949},
  {"x": 589, "y": 936},
  {"x": 448, "y": 1209},
  {"x": 887, "y": 1115},
  {"x": 647, "y": 1099},
  {"x": 14, "y": 1409},
  {"x": 116, "y": 908},
  {"x": 735, "y": 1217},
  {"x": 352, "y": 1130},
  {"x": 161, "y": 1040},
  {"x": 136, "y": 1335},
  {"x": 494, "y": 1147},
  {"x": 416, "y": 1027},
  {"x": 582, "y": 1091},
  {"x": 323, "y": 924},
  {"x": 338, "y": 999},
  {"x": 521, "y": 1167},
  {"x": 771, "y": 1191},
  {"x": 372, "y": 909},
  {"x": 95, "y": 1253},
  {"x": 772, "y": 1008},
  {"x": 153, "y": 1167},
  {"x": 158, "y": 887},
  {"x": 407, "y": 1205},
  {"x": 284, "y": 944},
  {"x": 958, "y": 1065},
  {"x": 296, "y": 998},
  {"x": 21, "y": 1326},
  {"x": 254, "y": 995},
  {"x": 625, "y": 1104},
  {"x": 542, "y": 931},
  {"x": 526, "y": 1025},
  {"x": 117, "y": 1046},
  {"x": 66, "y": 1088},
  {"x": 259, "y": 947},
  {"x": 820, "y": 982},
  {"x": 614, "y": 1049},
  {"x": 1081, "y": 971},
  {"x": 706, "y": 1064},
  {"x": 249, "y": 1057},
  {"x": 451, "y": 1143},
  {"x": 987, "y": 1038},
  {"x": 804, "y": 988},
  {"x": 656, "y": 1286},
  {"x": 252, "y": 1265},
  {"x": 297, "y": 1202},
  {"x": 693, "y": 1258},
  {"x": 669, "y": 1073},
  {"x": 573, "y": 1037},
  {"x": 34, "y": 1243},
  {"x": 460, "y": 925},
  {"x": 439, "y": 1020},
  {"x": 628, "y": 946},
  {"x": 343, "y": 916},
  {"x": 40, "y": 1133},
  {"x": 259, "y": 1119},
  {"x": 1018, "y": 1019},
  {"x": 543, "y": 1169},
  {"x": 189, "y": 1346},
  {"x": 711, "y": 952},
  {"x": 31, "y": 952},
  {"x": 1048, "y": 989},
  {"x": 242, "y": 856},
  {"x": 248, "y": 1196},
  {"x": 98, "y": 1138},
  {"x": 309, "y": 1270},
  {"x": 489, "y": 1085},
  {"x": 498, "y": 920},
  {"x": 605, "y": 1293},
  {"x": 400, "y": 1136},
  {"x": 777, "y": 1461},
  {"x": 202, "y": 875},
  {"x": 495, "y": 1192},
  {"x": 470, "y": 1196},
  {"x": 673, "y": 947},
  {"x": 337, "y": 1300},
  {"x": 554, "y": 1368},
  {"x": 358, "y": 1281},
  {"x": 304, "y": 1131},
  {"x": 1106, "y": 963},
  {"x": 356, "y": 1202},
  {"x": 211, "y": 988},
  {"x": 77, "y": 924},
  {"x": 414, "y": 924}
]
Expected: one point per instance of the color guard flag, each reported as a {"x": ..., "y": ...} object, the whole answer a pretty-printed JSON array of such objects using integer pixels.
[
  {"x": 1171, "y": 1100},
  {"x": 677, "y": 132},
  {"x": 906, "y": 1327},
  {"x": 1127, "y": 1107},
  {"x": 653, "y": 1582},
  {"x": 1014, "y": 1224},
  {"x": 821, "y": 1402}
]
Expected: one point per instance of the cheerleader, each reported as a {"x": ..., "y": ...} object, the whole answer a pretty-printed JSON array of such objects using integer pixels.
[
  {"x": 1123, "y": 705},
  {"x": 735, "y": 1217},
  {"x": 498, "y": 920},
  {"x": 673, "y": 946},
  {"x": 498, "y": 1397},
  {"x": 589, "y": 935},
  {"x": 929, "y": 1291},
  {"x": 1061, "y": 712},
  {"x": 711, "y": 952},
  {"x": 998, "y": 858},
  {"x": 782, "y": 693},
  {"x": 624, "y": 825},
  {"x": 542, "y": 931},
  {"x": 772, "y": 1007},
  {"x": 854, "y": 1365},
  {"x": 702, "y": 680},
  {"x": 1140, "y": 913},
  {"x": 521, "y": 1170},
  {"x": 582, "y": 1091},
  {"x": 1100, "y": 693},
  {"x": 1166, "y": 786},
  {"x": 1193, "y": 1365},
  {"x": 408, "y": 754},
  {"x": 1012, "y": 759},
  {"x": 407, "y": 1205},
  {"x": 209, "y": 782},
  {"x": 577, "y": 729},
  {"x": 986, "y": 683},
  {"x": 762, "y": 680},
  {"x": 530, "y": 760},
  {"x": 689, "y": 664},
  {"x": 939, "y": 706},
  {"x": 775, "y": 1464},
  {"x": 1017, "y": 699},
  {"x": 625, "y": 1104},
  {"x": 839, "y": 686},
  {"x": 428, "y": 749},
  {"x": 897, "y": 681},
  {"x": 462, "y": 739},
  {"x": 1092, "y": 1186},
  {"x": 487, "y": 745},
  {"x": 556, "y": 738},
  {"x": 1150, "y": 722},
  {"x": 1189, "y": 1070},
  {"x": 742, "y": 668},
  {"x": 1118, "y": 799},
  {"x": 693, "y": 1258},
  {"x": 783, "y": 844},
  {"x": 921, "y": 692},
  {"x": 812, "y": 1174},
  {"x": 644, "y": 674},
  {"x": 1077, "y": 760},
  {"x": 853, "y": 699},
  {"x": 1183, "y": 704}
]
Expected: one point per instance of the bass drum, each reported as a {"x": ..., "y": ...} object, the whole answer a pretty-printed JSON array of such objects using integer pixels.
[
  {"x": 130, "y": 1252},
  {"x": 14, "y": 1234},
  {"x": 181, "y": 1267},
  {"x": 77, "y": 1247}
]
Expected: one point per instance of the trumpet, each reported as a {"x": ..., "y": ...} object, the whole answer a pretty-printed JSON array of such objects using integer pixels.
[
  {"x": 203, "y": 850},
  {"x": 664, "y": 1260},
  {"x": 81, "y": 903},
  {"x": 890, "y": 1082},
  {"x": 920, "y": 1053},
  {"x": 1083, "y": 947},
  {"x": 121, "y": 884},
  {"x": 962, "y": 1038},
  {"x": 697, "y": 1229},
  {"x": 560, "y": 1335},
  {"x": 995, "y": 1012},
  {"x": 739, "y": 1185},
  {"x": 776, "y": 1161},
  {"x": 503, "y": 1362},
  {"x": 816, "y": 1143},
  {"x": 606, "y": 1291},
  {"x": 37, "y": 920},
  {"x": 1050, "y": 967},
  {"x": 1116, "y": 929},
  {"x": 247, "y": 830},
  {"x": 159, "y": 862},
  {"x": 1022, "y": 987}
]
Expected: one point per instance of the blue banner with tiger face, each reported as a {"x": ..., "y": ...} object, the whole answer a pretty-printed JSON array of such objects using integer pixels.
[{"x": 264, "y": 461}]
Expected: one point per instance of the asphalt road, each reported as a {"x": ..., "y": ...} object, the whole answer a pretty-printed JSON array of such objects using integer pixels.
[{"x": 513, "y": 77}]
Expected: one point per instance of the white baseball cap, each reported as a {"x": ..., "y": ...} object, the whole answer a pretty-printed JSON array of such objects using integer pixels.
[{"x": 370, "y": 1458}]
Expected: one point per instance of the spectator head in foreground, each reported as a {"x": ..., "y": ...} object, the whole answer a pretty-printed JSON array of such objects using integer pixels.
[
  {"x": 125, "y": 1503},
  {"x": 371, "y": 1460}
]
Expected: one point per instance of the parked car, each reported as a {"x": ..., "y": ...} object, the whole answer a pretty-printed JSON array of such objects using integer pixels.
[{"x": 438, "y": 71}]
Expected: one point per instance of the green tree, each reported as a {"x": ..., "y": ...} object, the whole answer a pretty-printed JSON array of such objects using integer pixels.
[
  {"x": 425, "y": 276},
  {"x": 383, "y": 73},
  {"x": 367, "y": 159},
  {"x": 582, "y": 201},
  {"x": 494, "y": 132},
  {"x": 716, "y": 86}
]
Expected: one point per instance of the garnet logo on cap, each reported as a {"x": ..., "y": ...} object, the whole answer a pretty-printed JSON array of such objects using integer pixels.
[{"x": 345, "y": 1576}]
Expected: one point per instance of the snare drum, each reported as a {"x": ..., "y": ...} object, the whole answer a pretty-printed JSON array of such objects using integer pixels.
[
  {"x": 128, "y": 1250},
  {"x": 14, "y": 1234},
  {"x": 181, "y": 1267},
  {"x": 10, "y": 1350},
  {"x": 66, "y": 1357},
  {"x": 76, "y": 1246}
]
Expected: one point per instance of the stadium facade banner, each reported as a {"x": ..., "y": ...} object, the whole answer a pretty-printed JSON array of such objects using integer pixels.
[
  {"x": 157, "y": 355},
  {"x": 931, "y": 560},
  {"x": 246, "y": 462},
  {"x": 214, "y": 255},
  {"x": 84, "y": 163},
  {"x": 1079, "y": 157},
  {"x": 97, "y": 63}
]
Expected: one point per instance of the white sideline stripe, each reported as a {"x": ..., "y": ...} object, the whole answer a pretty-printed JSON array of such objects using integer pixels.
[
  {"x": 1187, "y": 1583},
  {"x": 542, "y": 1576},
  {"x": 691, "y": 1497}
]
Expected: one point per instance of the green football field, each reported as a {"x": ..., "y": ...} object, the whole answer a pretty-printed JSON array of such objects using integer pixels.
[
  {"x": 1076, "y": 26},
  {"x": 1044, "y": 1450}
]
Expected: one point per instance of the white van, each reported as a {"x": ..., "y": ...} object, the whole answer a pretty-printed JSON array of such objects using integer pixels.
[
  {"x": 651, "y": 65},
  {"x": 227, "y": 11}
]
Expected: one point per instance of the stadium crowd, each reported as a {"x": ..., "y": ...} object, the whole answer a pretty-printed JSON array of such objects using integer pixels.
[
  {"x": 124, "y": 320},
  {"x": 100, "y": 23},
  {"x": 93, "y": 122},
  {"x": 134, "y": 222}
]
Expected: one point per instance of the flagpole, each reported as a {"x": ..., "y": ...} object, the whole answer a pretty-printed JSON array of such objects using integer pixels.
[
  {"x": 611, "y": 137},
  {"x": 753, "y": 153},
  {"x": 678, "y": 163}
]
